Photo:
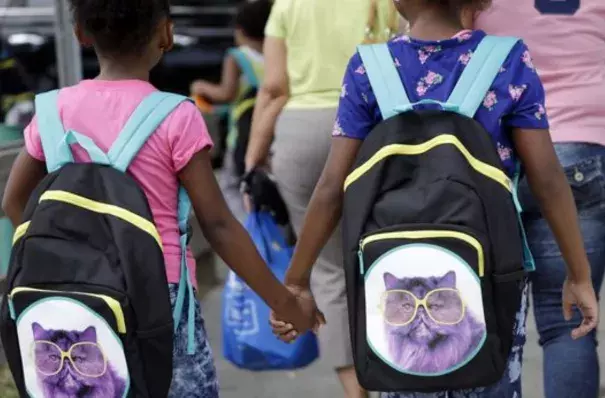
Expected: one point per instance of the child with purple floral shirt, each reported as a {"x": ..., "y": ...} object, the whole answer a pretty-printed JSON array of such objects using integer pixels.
[
  {"x": 430, "y": 70},
  {"x": 430, "y": 62}
]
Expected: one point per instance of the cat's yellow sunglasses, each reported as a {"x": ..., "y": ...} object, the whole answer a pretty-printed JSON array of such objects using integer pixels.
[
  {"x": 88, "y": 359},
  {"x": 444, "y": 306}
]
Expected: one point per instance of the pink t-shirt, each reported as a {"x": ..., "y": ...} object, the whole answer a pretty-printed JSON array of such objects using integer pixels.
[
  {"x": 569, "y": 54},
  {"x": 100, "y": 109}
]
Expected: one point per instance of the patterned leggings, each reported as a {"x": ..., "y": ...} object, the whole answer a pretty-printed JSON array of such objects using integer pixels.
[
  {"x": 508, "y": 387},
  {"x": 193, "y": 376}
]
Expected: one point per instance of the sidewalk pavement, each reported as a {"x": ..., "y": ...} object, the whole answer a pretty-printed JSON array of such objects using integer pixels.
[{"x": 318, "y": 380}]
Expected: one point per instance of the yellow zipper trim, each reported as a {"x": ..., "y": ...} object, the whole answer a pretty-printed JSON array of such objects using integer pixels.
[
  {"x": 112, "y": 303},
  {"x": 431, "y": 234},
  {"x": 403, "y": 149},
  {"x": 20, "y": 231},
  {"x": 104, "y": 208}
]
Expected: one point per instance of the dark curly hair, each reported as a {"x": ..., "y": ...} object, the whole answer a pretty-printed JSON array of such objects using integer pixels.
[
  {"x": 252, "y": 17},
  {"x": 119, "y": 26},
  {"x": 457, "y": 6}
]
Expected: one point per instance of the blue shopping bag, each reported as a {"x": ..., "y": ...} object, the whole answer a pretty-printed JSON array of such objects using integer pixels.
[{"x": 248, "y": 341}]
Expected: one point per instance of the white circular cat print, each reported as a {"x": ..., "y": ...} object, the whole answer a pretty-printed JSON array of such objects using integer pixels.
[
  {"x": 424, "y": 310},
  {"x": 68, "y": 350}
]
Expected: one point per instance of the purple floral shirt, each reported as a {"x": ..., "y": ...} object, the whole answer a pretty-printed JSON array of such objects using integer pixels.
[{"x": 430, "y": 70}]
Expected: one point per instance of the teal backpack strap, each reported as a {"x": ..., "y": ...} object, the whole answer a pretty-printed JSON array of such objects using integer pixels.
[
  {"x": 146, "y": 118},
  {"x": 529, "y": 262},
  {"x": 51, "y": 131},
  {"x": 185, "y": 283},
  {"x": 55, "y": 140},
  {"x": 384, "y": 78},
  {"x": 480, "y": 73},
  {"x": 245, "y": 65}
]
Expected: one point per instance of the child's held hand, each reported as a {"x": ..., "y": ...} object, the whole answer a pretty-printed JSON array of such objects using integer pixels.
[
  {"x": 582, "y": 295},
  {"x": 302, "y": 317}
]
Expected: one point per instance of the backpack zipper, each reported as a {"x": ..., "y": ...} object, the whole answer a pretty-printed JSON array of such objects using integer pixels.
[
  {"x": 424, "y": 234},
  {"x": 112, "y": 303}
]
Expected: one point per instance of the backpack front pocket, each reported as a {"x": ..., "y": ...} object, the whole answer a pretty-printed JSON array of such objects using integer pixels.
[
  {"x": 424, "y": 308},
  {"x": 69, "y": 343}
]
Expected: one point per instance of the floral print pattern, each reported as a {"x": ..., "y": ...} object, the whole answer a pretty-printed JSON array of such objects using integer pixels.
[
  {"x": 431, "y": 79},
  {"x": 343, "y": 91},
  {"x": 515, "y": 99},
  {"x": 491, "y": 100},
  {"x": 526, "y": 58},
  {"x": 465, "y": 58},
  {"x": 541, "y": 112},
  {"x": 516, "y": 91},
  {"x": 337, "y": 130},
  {"x": 425, "y": 52},
  {"x": 505, "y": 152}
]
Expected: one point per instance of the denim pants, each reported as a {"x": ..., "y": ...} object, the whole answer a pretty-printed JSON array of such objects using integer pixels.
[{"x": 571, "y": 368}]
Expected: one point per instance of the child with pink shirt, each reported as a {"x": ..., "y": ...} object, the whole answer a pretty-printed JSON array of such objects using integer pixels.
[{"x": 130, "y": 37}]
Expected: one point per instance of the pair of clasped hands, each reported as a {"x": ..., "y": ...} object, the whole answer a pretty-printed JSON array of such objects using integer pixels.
[{"x": 285, "y": 331}]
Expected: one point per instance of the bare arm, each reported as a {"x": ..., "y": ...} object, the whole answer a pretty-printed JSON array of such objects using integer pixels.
[
  {"x": 272, "y": 97},
  {"x": 550, "y": 188},
  {"x": 25, "y": 175},
  {"x": 325, "y": 210},
  {"x": 230, "y": 241},
  {"x": 224, "y": 92}
]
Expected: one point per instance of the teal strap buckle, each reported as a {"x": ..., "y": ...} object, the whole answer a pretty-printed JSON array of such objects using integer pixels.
[{"x": 94, "y": 152}]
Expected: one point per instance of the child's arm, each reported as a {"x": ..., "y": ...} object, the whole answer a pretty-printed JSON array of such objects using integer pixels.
[
  {"x": 229, "y": 239},
  {"x": 222, "y": 93},
  {"x": 25, "y": 175},
  {"x": 551, "y": 189}
]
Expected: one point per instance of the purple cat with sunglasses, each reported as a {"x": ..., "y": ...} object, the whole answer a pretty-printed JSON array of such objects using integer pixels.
[
  {"x": 86, "y": 375},
  {"x": 431, "y": 338}
]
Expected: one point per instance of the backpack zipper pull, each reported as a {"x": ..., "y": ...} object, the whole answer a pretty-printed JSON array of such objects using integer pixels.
[
  {"x": 11, "y": 308},
  {"x": 360, "y": 255}
]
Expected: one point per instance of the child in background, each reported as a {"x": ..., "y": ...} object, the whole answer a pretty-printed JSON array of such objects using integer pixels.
[
  {"x": 130, "y": 37},
  {"x": 243, "y": 70},
  {"x": 430, "y": 61}
]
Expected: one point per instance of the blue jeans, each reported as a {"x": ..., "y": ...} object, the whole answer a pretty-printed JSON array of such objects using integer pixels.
[{"x": 571, "y": 368}]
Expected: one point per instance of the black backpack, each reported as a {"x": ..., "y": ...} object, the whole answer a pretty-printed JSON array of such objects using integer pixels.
[
  {"x": 434, "y": 250},
  {"x": 88, "y": 311}
]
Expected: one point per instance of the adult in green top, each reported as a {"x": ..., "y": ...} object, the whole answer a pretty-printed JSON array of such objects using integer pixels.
[{"x": 307, "y": 47}]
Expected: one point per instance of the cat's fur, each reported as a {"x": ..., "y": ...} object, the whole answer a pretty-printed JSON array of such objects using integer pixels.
[
  {"x": 68, "y": 383},
  {"x": 425, "y": 346}
]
